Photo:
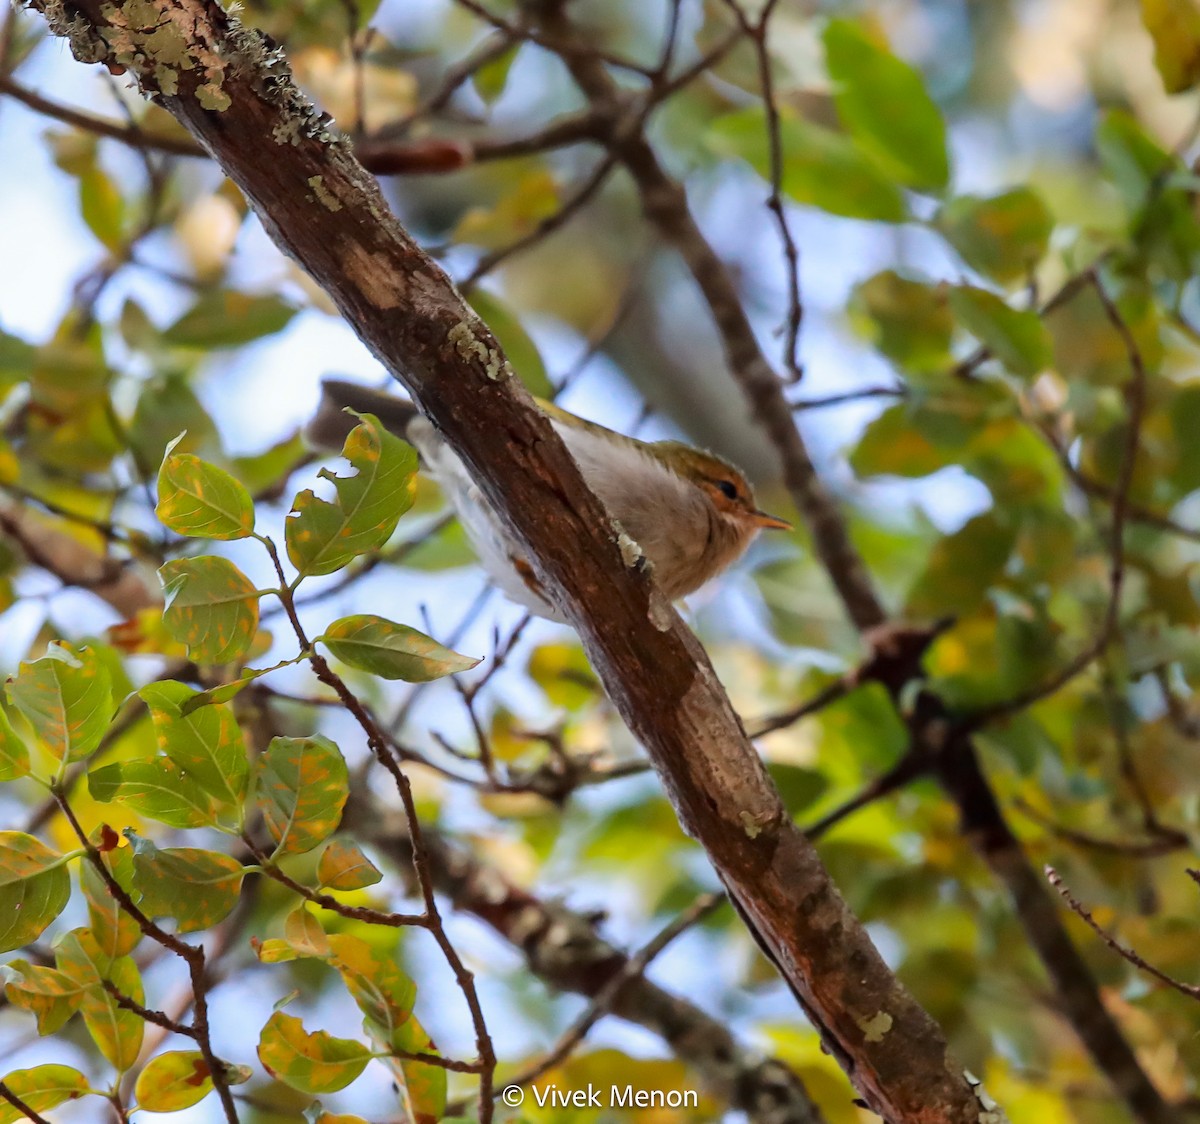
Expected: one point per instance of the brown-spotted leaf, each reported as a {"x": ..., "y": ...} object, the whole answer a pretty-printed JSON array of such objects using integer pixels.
[
  {"x": 115, "y": 932},
  {"x": 204, "y": 741},
  {"x": 313, "y": 1062},
  {"x": 323, "y": 536},
  {"x": 302, "y": 785},
  {"x": 194, "y": 886},
  {"x": 383, "y": 992},
  {"x": 156, "y": 787},
  {"x": 117, "y": 1032},
  {"x": 199, "y": 499},
  {"x": 47, "y": 993},
  {"x": 425, "y": 1083},
  {"x": 42, "y": 1088},
  {"x": 211, "y": 606},
  {"x": 14, "y": 753},
  {"x": 343, "y": 866},
  {"x": 66, "y": 697},
  {"x": 34, "y": 888},
  {"x": 172, "y": 1081},
  {"x": 393, "y": 651}
]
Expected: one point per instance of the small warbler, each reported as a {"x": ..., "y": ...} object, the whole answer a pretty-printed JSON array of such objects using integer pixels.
[{"x": 691, "y": 513}]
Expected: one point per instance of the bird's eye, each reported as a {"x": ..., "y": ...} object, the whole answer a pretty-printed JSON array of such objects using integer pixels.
[{"x": 728, "y": 489}]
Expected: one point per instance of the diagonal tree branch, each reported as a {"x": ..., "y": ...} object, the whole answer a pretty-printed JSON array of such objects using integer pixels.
[{"x": 233, "y": 92}]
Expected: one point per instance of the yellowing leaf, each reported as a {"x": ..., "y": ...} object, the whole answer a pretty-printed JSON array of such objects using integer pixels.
[
  {"x": 156, "y": 787},
  {"x": 172, "y": 1081},
  {"x": 313, "y": 1062},
  {"x": 384, "y": 994},
  {"x": 205, "y": 742},
  {"x": 14, "y": 754},
  {"x": 390, "y": 650},
  {"x": 46, "y": 992},
  {"x": 322, "y": 536},
  {"x": 117, "y": 1032},
  {"x": 115, "y": 932},
  {"x": 198, "y": 499},
  {"x": 1003, "y": 236},
  {"x": 343, "y": 866},
  {"x": 211, "y": 606},
  {"x": 1174, "y": 25},
  {"x": 194, "y": 886},
  {"x": 66, "y": 697},
  {"x": 34, "y": 888},
  {"x": 425, "y": 1083},
  {"x": 909, "y": 321},
  {"x": 302, "y": 785},
  {"x": 42, "y": 1088}
]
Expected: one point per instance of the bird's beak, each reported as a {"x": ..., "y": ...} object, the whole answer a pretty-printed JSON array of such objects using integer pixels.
[{"x": 762, "y": 519}]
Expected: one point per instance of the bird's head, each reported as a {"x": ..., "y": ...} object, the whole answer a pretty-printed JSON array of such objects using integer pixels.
[{"x": 726, "y": 488}]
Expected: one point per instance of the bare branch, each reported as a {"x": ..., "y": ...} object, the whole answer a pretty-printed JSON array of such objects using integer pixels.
[{"x": 1192, "y": 991}]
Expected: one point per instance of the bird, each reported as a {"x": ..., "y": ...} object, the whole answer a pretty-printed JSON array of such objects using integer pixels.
[{"x": 690, "y": 512}]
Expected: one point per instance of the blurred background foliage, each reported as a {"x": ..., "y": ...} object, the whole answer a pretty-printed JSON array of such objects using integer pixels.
[{"x": 955, "y": 175}]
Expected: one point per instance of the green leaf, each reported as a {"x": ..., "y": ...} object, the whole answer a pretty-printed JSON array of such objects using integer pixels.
[
  {"x": 198, "y": 499},
  {"x": 518, "y": 345},
  {"x": 1003, "y": 236},
  {"x": 1016, "y": 337},
  {"x": 892, "y": 446},
  {"x": 204, "y": 741},
  {"x": 117, "y": 1032},
  {"x": 799, "y": 787},
  {"x": 909, "y": 321},
  {"x": 301, "y": 787},
  {"x": 1174, "y": 25},
  {"x": 195, "y": 887},
  {"x": 102, "y": 207},
  {"x": 491, "y": 78},
  {"x": 425, "y": 1083},
  {"x": 66, "y": 697},
  {"x": 883, "y": 102},
  {"x": 211, "y": 606},
  {"x": 17, "y": 359},
  {"x": 14, "y": 754},
  {"x": 962, "y": 567},
  {"x": 323, "y": 536},
  {"x": 169, "y": 413},
  {"x": 390, "y": 650},
  {"x": 42, "y": 1088},
  {"x": 156, "y": 787},
  {"x": 311, "y": 1062},
  {"x": 46, "y": 992},
  {"x": 821, "y": 168},
  {"x": 384, "y": 994},
  {"x": 115, "y": 932},
  {"x": 343, "y": 866},
  {"x": 1134, "y": 161},
  {"x": 34, "y": 888},
  {"x": 227, "y": 319},
  {"x": 172, "y": 1081}
]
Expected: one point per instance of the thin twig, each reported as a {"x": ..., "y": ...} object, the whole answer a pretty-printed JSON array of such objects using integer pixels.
[
  {"x": 756, "y": 32},
  {"x": 1055, "y": 880}
]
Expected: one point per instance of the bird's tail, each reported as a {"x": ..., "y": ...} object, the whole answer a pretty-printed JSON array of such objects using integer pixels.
[{"x": 331, "y": 423}]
